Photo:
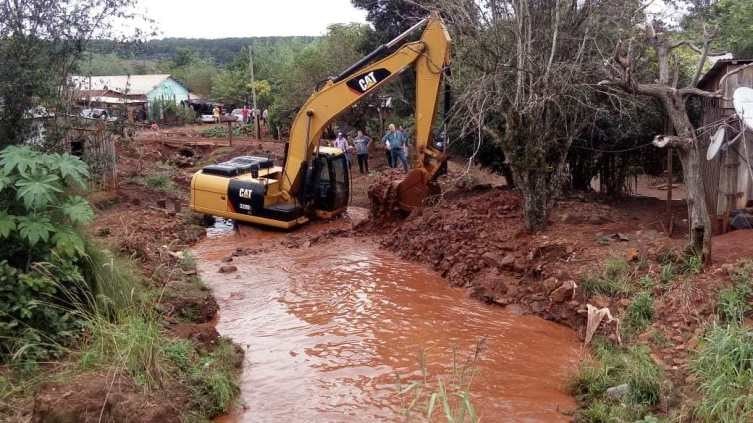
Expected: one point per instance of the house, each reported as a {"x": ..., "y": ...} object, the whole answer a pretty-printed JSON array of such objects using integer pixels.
[
  {"x": 149, "y": 90},
  {"x": 728, "y": 177}
]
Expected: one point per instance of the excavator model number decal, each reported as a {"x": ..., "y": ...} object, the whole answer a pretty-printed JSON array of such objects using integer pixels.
[{"x": 366, "y": 81}]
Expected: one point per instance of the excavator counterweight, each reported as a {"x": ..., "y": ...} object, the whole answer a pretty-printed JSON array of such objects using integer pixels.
[{"x": 314, "y": 180}]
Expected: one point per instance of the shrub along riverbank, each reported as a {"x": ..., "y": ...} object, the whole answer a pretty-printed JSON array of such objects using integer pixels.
[{"x": 83, "y": 333}]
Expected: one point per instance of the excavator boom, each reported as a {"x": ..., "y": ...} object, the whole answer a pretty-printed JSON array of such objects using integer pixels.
[{"x": 428, "y": 56}]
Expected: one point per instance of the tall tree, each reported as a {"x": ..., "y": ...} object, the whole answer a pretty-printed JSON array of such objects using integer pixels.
[
  {"x": 40, "y": 40},
  {"x": 667, "y": 87},
  {"x": 732, "y": 19},
  {"x": 524, "y": 72}
]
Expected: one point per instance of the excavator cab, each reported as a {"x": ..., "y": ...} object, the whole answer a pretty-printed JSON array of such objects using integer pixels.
[{"x": 328, "y": 185}]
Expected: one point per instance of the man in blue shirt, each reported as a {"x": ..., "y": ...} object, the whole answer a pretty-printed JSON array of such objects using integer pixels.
[{"x": 396, "y": 142}]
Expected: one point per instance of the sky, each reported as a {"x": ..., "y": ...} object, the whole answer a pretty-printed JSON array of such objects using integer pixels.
[{"x": 248, "y": 18}]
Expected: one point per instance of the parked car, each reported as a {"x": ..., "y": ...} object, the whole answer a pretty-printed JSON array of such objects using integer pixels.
[
  {"x": 98, "y": 114},
  {"x": 206, "y": 118}
]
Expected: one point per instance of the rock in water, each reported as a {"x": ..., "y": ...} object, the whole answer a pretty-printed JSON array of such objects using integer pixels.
[{"x": 228, "y": 269}]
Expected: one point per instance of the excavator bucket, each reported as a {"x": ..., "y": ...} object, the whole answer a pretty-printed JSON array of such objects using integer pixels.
[{"x": 414, "y": 189}]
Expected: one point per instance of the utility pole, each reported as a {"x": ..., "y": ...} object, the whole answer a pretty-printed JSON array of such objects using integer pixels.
[{"x": 255, "y": 111}]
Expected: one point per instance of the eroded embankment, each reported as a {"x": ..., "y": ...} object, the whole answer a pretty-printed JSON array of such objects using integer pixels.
[
  {"x": 327, "y": 328},
  {"x": 476, "y": 239}
]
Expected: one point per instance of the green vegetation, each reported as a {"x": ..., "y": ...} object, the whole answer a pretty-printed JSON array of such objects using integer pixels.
[
  {"x": 734, "y": 302},
  {"x": 639, "y": 314},
  {"x": 444, "y": 399},
  {"x": 220, "y": 131},
  {"x": 613, "y": 280},
  {"x": 611, "y": 367},
  {"x": 159, "y": 178},
  {"x": 66, "y": 299},
  {"x": 724, "y": 366},
  {"x": 136, "y": 344},
  {"x": 43, "y": 271}
]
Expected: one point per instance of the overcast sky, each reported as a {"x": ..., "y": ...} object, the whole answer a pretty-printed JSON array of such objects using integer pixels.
[{"x": 247, "y": 18}]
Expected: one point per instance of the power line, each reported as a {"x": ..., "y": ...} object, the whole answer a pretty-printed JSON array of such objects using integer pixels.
[{"x": 624, "y": 150}]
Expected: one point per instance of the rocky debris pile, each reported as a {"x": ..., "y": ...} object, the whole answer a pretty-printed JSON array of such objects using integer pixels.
[
  {"x": 382, "y": 195},
  {"x": 478, "y": 241}
]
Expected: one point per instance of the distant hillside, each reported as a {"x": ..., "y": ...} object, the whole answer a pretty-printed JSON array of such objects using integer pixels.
[{"x": 221, "y": 50}]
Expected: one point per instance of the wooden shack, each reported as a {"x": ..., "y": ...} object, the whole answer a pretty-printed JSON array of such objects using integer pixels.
[{"x": 728, "y": 177}]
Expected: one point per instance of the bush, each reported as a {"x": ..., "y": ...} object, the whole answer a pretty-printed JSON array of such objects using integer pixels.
[
  {"x": 42, "y": 248},
  {"x": 724, "y": 367}
]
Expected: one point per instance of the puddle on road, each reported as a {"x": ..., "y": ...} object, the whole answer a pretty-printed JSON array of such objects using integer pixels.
[{"x": 326, "y": 329}]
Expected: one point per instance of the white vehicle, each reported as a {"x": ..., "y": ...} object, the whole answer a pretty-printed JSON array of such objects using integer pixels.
[
  {"x": 206, "y": 118},
  {"x": 237, "y": 114},
  {"x": 98, "y": 114}
]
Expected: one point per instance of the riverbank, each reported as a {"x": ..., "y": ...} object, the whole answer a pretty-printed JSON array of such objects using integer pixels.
[
  {"x": 346, "y": 331},
  {"x": 606, "y": 254},
  {"x": 162, "y": 344},
  {"x": 668, "y": 309}
]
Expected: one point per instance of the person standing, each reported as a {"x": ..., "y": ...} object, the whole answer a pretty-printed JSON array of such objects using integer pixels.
[
  {"x": 245, "y": 113},
  {"x": 362, "y": 143},
  {"x": 342, "y": 143},
  {"x": 396, "y": 142},
  {"x": 387, "y": 151},
  {"x": 265, "y": 120},
  {"x": 216, "y": 114}
]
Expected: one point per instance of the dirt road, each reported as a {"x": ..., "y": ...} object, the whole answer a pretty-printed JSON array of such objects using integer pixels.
[{"x": 328, "y": 328}]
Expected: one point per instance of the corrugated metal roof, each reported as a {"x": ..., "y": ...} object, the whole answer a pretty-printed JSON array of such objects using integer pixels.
[{"x": 131, "y": 84}]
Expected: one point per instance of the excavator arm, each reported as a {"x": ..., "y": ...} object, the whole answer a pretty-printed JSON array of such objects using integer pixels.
[{"x": 428, "y": 57}]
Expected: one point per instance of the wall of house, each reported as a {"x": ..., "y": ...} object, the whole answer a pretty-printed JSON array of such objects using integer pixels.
[
  {"x": 169, "y": 89},
  {"x": 727, "y": 178}
]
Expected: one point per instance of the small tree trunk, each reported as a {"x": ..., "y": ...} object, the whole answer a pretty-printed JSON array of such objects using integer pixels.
[
  {"x": 535, "y": 203},
  {"x": 698, "y": 216}
]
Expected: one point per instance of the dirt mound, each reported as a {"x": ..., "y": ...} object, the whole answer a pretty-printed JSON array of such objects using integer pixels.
[
  {"x": 97, "y": 397},
  {"x": 477, "y": 239},
  {"x": 383, "y": 198}
]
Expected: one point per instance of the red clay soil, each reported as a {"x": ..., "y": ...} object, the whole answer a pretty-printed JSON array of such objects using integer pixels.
[
  {"x": 477, "y": 239},
  {"x": 732, "y": 246},
  {"x": 100, "y": 397}
]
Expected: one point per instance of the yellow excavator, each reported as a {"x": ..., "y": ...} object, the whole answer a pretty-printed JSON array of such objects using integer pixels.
[{"x": 314, "y": 181}]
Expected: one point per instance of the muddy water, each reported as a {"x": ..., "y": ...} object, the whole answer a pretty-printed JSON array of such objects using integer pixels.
[{"x": 327, "y": 329}]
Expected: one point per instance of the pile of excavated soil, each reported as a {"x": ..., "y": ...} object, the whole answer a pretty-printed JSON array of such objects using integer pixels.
[
  {"x": 382, "y": 193},
  {"x": 477, "y": 239}
]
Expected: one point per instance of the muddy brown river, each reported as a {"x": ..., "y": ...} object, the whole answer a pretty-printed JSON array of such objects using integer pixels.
[{"x": 328, "y": 329}]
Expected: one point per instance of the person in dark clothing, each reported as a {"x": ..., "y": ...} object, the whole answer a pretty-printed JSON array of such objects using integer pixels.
[{"x": 362, "y": 143}]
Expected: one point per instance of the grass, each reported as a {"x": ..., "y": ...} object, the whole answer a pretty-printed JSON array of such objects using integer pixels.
[
  {"x": 734, "y": 302},
  {"x": 122, "y": 333},
  {"x": 613, "y": 280},
  {"x": 447, "y": 399},
  {"x": 724, "y": 367},
  {"x": 667, "y": 273},
  {"x": 159, "y": 178},
  {"x": 614, "y": 366},
  {"x": 639, "y": 313}
]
